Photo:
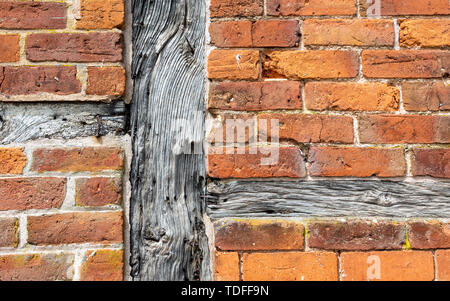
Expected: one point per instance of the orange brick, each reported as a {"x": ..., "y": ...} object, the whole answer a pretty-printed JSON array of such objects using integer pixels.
[
  {"x": 102, "y": 265},
  {"x": 429, "y": 235},
  {"x": 106, "y": 81},
  {"x": 295, "y": 266},
  {"x": 310, "y": 64},
  {"x": 431, "y": 162},
  {"x": 77, "y": 159},
  {"x": 241, "y": 163},
  {"x": 322, "y": 96},
  {"x": 234, "y": 64},
  {"x": 80, "y": 227},
  {"x": 311, "y": 8},
  {"x": 231, "y": 33},
  {"x": 401, "y": 7},
  {"x": 105, "y": 14},
  {"x": 405, "y": 63},
  {"x": 8, "y": 232},
  {"x": 431, "y": 96},
  {"x": 404, "y": 129},
  {"x": 9, "y": 48},
  {"x": 256, "y": 96},
  {"x": 393, "y": 266},
  {"x": 236, "y": 8},
  {"x": 226, "y": 266},
  {"x": 356, "y": 162},
  {"x": 443, "y": 265},
  {"x": 36, "y": 267},
  {"x": 257, "y": 234},
  {"x": 425, "y": 33},
  {"x": 275, "y": 33},
  {"x": 348, "y": 32},
  {"x": 306, "y": 128},
  {"x": 12, "y": 160}
]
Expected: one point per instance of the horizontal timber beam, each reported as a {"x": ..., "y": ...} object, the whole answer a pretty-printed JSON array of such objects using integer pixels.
[
  {"x": 21, "y": 122},
  {"x": 329, "y": 198}
]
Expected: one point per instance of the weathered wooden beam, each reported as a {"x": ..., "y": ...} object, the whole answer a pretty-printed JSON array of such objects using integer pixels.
[
  {"x": 329, "y": 198},
  {"x": 168, "y": 240},
  {"x": 21, "y": 122}
]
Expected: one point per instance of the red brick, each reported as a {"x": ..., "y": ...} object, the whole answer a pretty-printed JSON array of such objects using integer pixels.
[
  {"x": 405, "y": 63},
  {"x": 106, "y": 14},
  {"x": 353, "y": 32},
  {"x": 98, "y": 191},
  {"x": 236, "y": 8},
  {"x": 241, "y": 164},
  {"x": 292, "y": 266},
  {"x": 231, "y": 33},
  {"x": 311, "y": 7},
  {"x": 429, "y": 235},
  {"x": 424, "y": 33},
  {"x": 81, "y": 227},
  {"x": 307, "y": 128},
  {"x": 226, "y": 266},
  {"x": 233, "y": 128},
  {"x": 102, "y": 265},
  {"x": 275, "y": 33},
  {"x": 356, "y": 235},
  {"x": 26, "y": 80},
  {"x": 12, "y": 160},
  {"x": 75, "y": 47},
  {"x": 356, "y": 162},
  {"x": 324, "y": 96},
  {"x": 77, "y": 159},
  {"x": 255, "y": 96},
  {"x": 9, "y": 236},
  {"x": 443, "y": 265},
  {"x": 404, "y": 129},
  {"x": 394, "y": 266},
  {"x": 106, "y": 81},
  {"x": 310, "y": 64},
  {"x": 416, "y": 7},
  {"x": 234, "y": 64},
  {"x": 9, "y": 48},
  {"x": 31, "y": 193},
  {"x": 431, "y": 162},
  {"x": 32, "y": 15},
  {"x": 36, "y": 267},
  {"x": 257, "y": 234},
  {"x": 430, "y": 96}
]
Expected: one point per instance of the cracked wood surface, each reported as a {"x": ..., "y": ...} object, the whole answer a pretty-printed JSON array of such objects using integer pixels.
[
  {"x": 329, "y": 198},
  {"x": 21, "y": 122},
  {"x": 168, "y": 240}
]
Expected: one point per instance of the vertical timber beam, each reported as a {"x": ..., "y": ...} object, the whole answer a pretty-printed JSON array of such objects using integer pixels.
[{"x": 168, "y": 240}]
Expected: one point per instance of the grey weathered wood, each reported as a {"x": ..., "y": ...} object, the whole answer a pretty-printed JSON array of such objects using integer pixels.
[
  {"x": 20, "y": 122},
  {"x": 329, "y": 198},
  {"x": 168, "y": 240}
]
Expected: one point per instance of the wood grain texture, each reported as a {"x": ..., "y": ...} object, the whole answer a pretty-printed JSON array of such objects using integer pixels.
[
  {"x": 168, "y": 240},
  {"x": 326, "y": 198},
  {"x": 21, "y": 122}
]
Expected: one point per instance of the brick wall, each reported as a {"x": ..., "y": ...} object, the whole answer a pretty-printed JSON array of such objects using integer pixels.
[
  {"x": 61, "y": 202},
  {"x": 61, "y": 214},
  {"x": 65, "y": 50},
  {"x": 356, "y": 96}
]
